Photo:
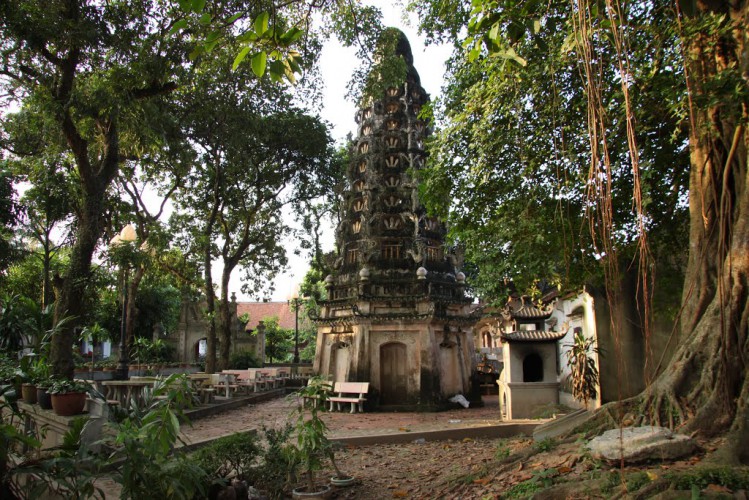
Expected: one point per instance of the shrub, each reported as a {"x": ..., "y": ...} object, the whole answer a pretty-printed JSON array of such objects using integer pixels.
[
  {"x": 235, "y": 453},
  {"x": 278, "y": 461},
  {"x": 241, "y": 360}
]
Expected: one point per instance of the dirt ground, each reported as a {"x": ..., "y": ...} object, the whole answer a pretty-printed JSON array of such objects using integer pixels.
[
  {"x": 468, "y": 468},
  {"x": 518, "y": 468}
]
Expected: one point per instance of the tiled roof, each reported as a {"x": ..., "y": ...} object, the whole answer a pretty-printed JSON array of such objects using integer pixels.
[
  {"x": 282, "y": 310},
  {"x": 533, "y": 336},
  {"x": 529, "y": 311}
]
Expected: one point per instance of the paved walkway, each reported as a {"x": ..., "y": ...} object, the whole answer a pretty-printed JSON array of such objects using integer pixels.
[{"x": 343, "y": 425}]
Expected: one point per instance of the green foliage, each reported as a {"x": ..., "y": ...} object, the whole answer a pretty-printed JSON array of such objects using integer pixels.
[
  {"x": 9, "y": 214},
  {"x": 611, "y": 481},
  {"x": 513, "y": 136},
  {"x": 157, "y": 304},
  {"x": 151, "y": 351},
  {"x": 526, "y": 489},
  {"x": 734, "y": 478},
  {"x": 312, "y": 444},
  {"x": 241, "y": 360},
  {"x": 19, "y": 317},
  {"x": 144, "y": 446},
  {"x": 12, "y": 480},
  {"x": 66, "y": 386},
  {"x": 545, "y": 445},
  {"x": 278, "y": 341},
  {"x": 26, "y": 274},
  {"x": 95, "y": 333},
  {"x": 390, "y": 65},
  {"x": 278, "y": 462},
  {"x": 502, "y": 451},
  {"x": 584, "y": 374},
  {"x": 231, "y": 454},
  {"x": 636, "y": 480}
]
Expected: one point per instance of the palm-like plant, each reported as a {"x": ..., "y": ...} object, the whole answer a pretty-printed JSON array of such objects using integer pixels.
[{"x": 584, "y": 374}]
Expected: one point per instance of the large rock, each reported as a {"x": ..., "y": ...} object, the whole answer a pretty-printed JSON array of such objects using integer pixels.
[{"x": 638, "y": 444}]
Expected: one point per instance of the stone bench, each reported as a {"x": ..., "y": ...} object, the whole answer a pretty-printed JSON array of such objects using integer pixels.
[{"x": 349, "y": 392}]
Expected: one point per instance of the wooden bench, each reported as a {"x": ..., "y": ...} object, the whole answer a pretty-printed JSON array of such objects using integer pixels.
[{"x": 349, "y": 392}]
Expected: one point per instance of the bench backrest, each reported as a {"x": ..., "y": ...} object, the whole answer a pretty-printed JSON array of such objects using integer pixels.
[
  {"x": 248, "y": 374},
  {"x": 351, "y": 387}
]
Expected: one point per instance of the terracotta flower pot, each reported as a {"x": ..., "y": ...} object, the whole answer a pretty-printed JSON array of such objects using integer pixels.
[
  {"x": 70, "y": 403},
  {"x": 28, "y": 393},
  {"x": 43, "y": 398}
]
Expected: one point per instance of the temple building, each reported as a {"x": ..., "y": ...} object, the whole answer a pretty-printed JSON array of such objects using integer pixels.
[{"x": 396, "y": 314}]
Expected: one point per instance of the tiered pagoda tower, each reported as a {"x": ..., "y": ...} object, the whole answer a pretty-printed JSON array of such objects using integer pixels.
[{"x": 396, "y": 315}]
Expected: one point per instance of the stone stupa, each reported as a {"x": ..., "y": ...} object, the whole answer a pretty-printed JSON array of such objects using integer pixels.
[{"x": 396, "y": 315}]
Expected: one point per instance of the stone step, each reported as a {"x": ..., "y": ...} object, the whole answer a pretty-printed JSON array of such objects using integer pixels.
[{"x": 562, "y": 425}]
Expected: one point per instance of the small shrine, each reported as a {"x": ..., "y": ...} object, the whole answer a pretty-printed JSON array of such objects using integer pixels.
[
  {"x": 396, "y": 314},
  {"x": 530, "y": 357}
]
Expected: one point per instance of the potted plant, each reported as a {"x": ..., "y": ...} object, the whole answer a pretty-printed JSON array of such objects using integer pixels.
[
  {"x": 43, "y": 397},
  {"x": 68, "y": 396},
  {"x": 27, "y": 374},
  {"x": 312, "y": 444}
]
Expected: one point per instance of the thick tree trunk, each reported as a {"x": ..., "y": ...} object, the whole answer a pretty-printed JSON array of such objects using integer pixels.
[
  {"x": 210, "y": 304},
  {"x": 706, "y": 386},
  {"x": 73, "y": 286},
  {"x": 225, "y": 317}
]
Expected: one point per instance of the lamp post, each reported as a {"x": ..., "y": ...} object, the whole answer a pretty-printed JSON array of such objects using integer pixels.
[
  {"x": 126, "y": 237},
  {"x": 296, "y": 300}
]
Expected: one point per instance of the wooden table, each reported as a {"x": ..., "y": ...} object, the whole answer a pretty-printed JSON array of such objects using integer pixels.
[{"x": 125, "y": 390}]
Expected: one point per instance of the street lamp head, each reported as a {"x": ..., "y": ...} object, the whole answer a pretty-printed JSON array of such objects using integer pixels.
[{"x": 128, "y": 234}]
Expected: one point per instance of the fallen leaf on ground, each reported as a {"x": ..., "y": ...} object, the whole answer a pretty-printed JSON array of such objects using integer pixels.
[
  {"x": 564, "y": 470},
  {"x": 400, "y": 494},
  {"x": 482, "y": 482},
  {"x": 467, "y": 440},
  {"x": 717, "y": 488},
  {"x": 403, "y": 429},
  {"x": 520, "y": 466}
]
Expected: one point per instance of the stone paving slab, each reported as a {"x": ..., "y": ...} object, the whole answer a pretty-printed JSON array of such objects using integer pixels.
[{"x": 363, "y": 428}]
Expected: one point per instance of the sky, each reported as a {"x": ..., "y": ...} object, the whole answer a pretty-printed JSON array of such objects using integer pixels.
[{"x": 337, "y": 65}]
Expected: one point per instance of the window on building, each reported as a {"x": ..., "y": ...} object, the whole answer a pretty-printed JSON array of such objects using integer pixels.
[
  {"x": 391, "y": 250},
  {"x": 433, "y": 253},
  {"x": 352, "y": 255}
]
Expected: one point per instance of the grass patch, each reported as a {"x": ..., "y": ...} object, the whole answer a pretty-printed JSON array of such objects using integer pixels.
[
  {"x": 701, "y": 477},
  {"x": 636, "y": 480},
  {"x": 540, "y": 481},
  {"x": 502, "y": 450},
  {"x": 544, "y": 445},
  {"x": 524, "y": 489}
]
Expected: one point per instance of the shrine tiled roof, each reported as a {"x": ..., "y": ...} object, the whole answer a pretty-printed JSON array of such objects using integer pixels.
[
  {"x": 533, "y": 336},
  {"x": 528, "y": 311}
]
